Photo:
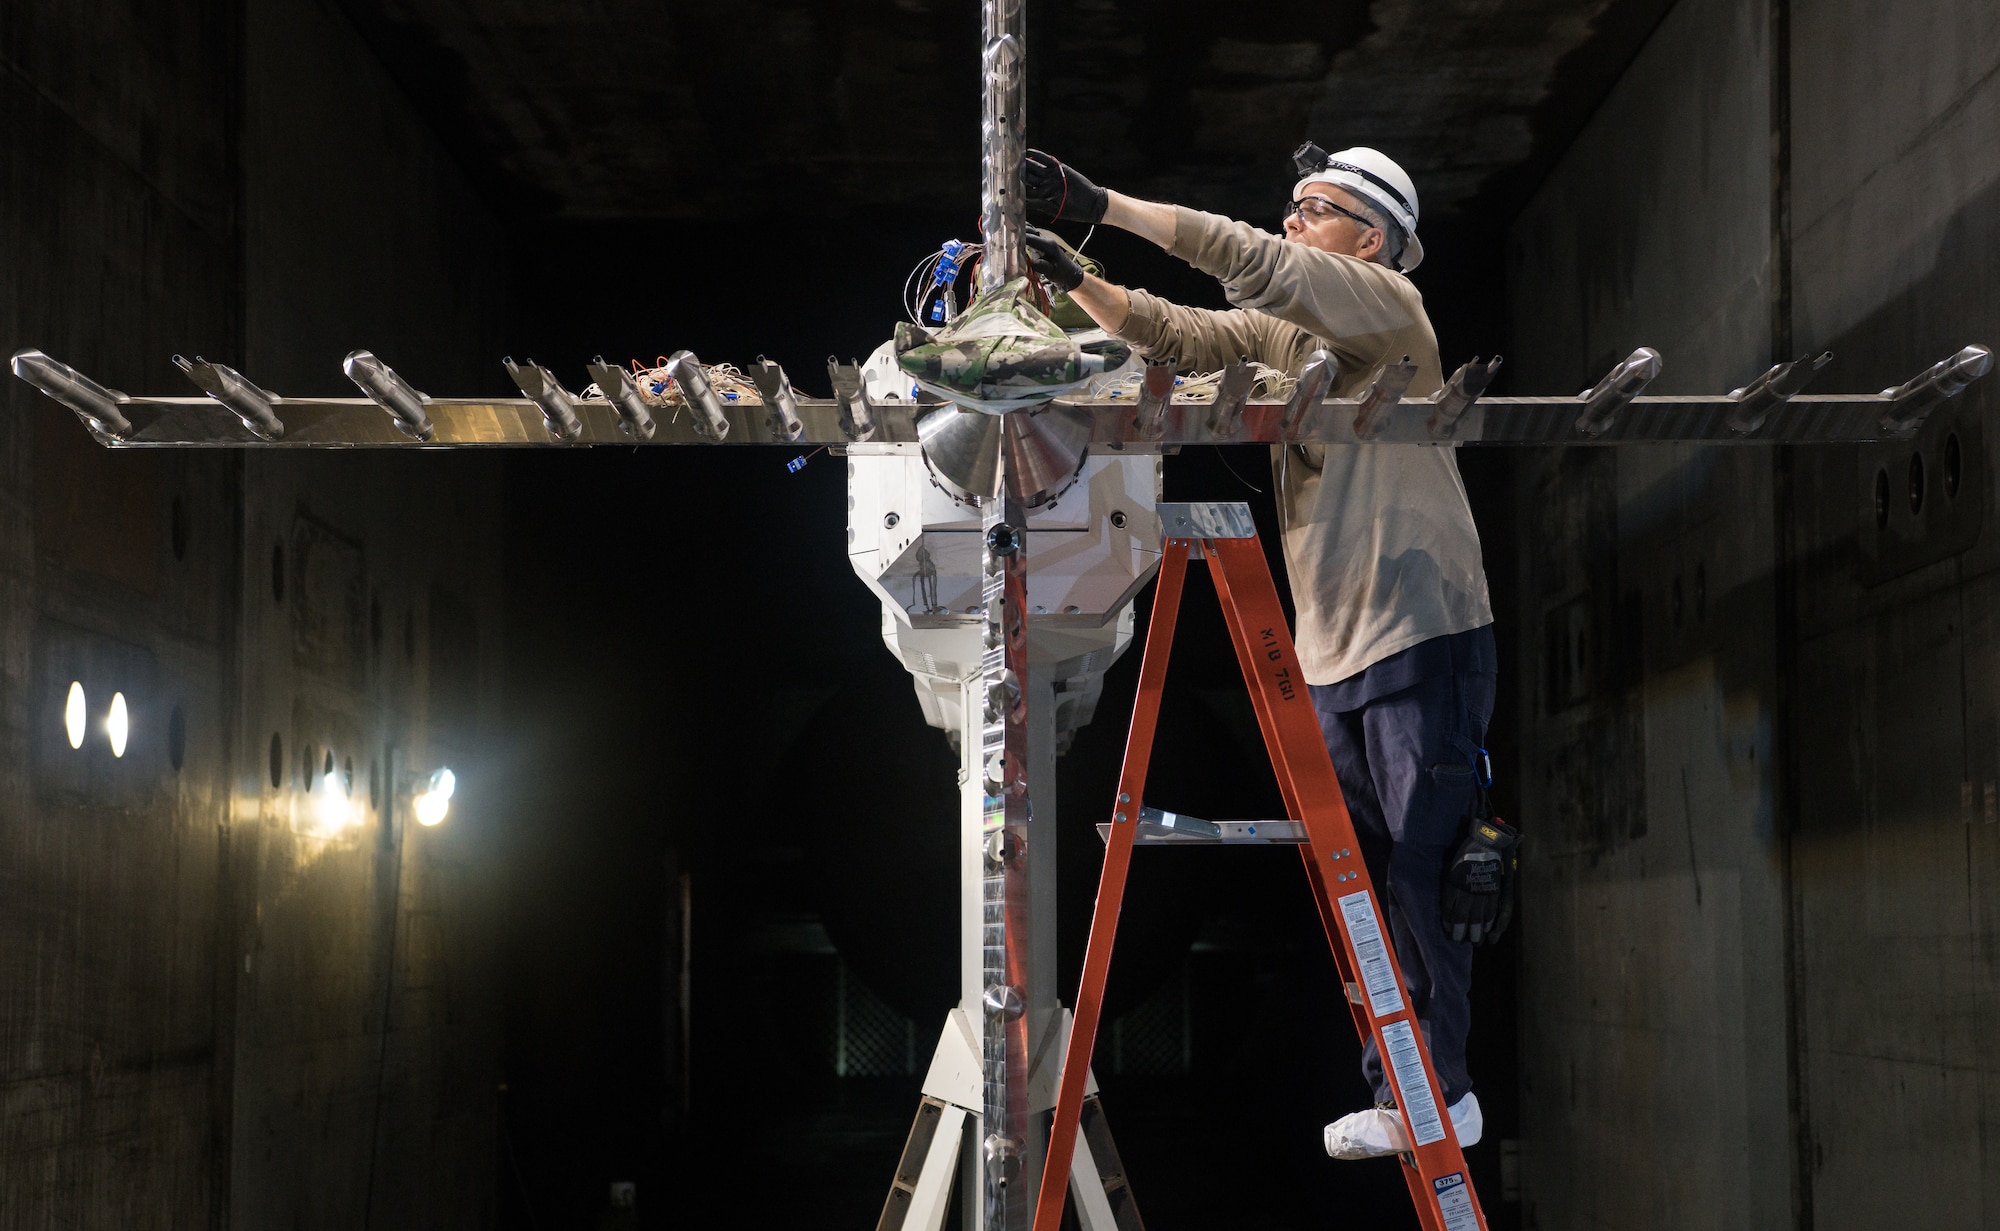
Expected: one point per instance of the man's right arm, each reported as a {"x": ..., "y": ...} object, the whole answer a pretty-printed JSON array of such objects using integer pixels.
[
  {"x": 1107, "y": 302},
  {"x": 1195, "y": 339}
]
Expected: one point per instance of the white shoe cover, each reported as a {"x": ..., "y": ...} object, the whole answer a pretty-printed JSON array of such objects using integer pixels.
[{"x": 1378, "y": 1132}]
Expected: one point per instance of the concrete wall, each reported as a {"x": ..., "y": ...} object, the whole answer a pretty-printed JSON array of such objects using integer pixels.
[
  {"x": 1758, "y": 734},
  {"x": 1896, "y": 214},
  {"x": 223, "y": 1007}
]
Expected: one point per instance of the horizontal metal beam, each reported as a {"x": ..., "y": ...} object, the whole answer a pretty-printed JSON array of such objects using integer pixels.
[
  {"x": 351, "y": 423},
  {"x": 1595, "y": 418}
]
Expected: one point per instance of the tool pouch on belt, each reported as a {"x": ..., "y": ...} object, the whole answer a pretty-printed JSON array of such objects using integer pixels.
[{"x": 1478, "y": 894}]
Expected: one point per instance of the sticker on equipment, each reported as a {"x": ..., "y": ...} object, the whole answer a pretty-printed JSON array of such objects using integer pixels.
[
  {"x": 1413, "y": 1086},
  {"x": 1455, "y": 1201},
  {"x": 1378, "y": 974}
]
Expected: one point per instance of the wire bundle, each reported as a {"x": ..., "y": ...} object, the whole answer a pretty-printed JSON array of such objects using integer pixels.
[
  {"x": 937, "y": 276},
  {"x": 1197, "y": 387},
  {"x": 933, "y": 283},
  {"x": 658, "y": 390}
]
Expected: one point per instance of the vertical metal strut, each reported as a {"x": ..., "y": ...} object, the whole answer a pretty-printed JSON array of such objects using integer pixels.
[
  {"x": 1003, "y": 141},
  {"x": 1006, "y": 942},
  {"x": 1004, "y": 668}
]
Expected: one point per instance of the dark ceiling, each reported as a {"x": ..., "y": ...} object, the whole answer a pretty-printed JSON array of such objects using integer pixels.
[{"x": 593, "y": 110}]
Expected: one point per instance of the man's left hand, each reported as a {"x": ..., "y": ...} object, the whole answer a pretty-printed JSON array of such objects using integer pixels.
[
  {"x": 1058, "y": 191},
  {"x": 1478, "y": 898}
]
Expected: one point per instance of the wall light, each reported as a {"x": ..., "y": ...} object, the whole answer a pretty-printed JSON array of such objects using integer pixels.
[
  {"x": 329, "y": 811},
  {"x": 118, "y": 724},
  {"x": 74, "y": 714},
  {"x": 434, "y": 800}
]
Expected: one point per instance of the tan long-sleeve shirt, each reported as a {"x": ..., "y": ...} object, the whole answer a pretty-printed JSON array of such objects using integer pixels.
[{"x": 1379, "y": 539}]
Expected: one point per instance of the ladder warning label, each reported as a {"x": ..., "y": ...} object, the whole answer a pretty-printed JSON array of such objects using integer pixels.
[
  {"x": 1413, "y": 1086},
  {"x": 1378, "y": 974},
  {"x": 1455, "y": 1201}
]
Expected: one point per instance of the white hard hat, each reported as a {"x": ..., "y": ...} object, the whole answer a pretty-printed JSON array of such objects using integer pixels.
[{"x": 1375, "y": 177}]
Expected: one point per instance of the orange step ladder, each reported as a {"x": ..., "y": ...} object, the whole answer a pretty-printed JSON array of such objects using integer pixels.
[{"x": 1349, "y": 909}]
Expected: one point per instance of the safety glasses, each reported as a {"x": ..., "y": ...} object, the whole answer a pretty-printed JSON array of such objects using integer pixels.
[{"x": 1319, "y": 209}]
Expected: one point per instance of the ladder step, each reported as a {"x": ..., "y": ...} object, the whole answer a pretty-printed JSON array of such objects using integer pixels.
[{"x": 1158, "y": 827}]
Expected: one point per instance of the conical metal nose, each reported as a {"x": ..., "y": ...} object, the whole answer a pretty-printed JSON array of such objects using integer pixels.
[
  {"x": 1045, "y": 451},
  {"x": 962, "y": 450}
]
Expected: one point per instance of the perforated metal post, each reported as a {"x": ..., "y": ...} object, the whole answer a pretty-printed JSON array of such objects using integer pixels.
[
  {"x": 1006, "y": 941},
  {"x": 1003, "y": 142},
  {"x": 1004, "y": 666}
]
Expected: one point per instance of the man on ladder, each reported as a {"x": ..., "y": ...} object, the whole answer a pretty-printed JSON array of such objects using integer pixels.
[{"x": 1395, "y": 629}]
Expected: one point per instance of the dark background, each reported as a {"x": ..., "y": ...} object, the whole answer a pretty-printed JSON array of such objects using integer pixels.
[{"x": 1750, "y": 714}]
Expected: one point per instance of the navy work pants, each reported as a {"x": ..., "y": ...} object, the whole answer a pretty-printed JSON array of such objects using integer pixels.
[{"x": 1403, "y": 746}]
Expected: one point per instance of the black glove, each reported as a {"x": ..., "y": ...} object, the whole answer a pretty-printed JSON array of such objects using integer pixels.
[
  {"x": 1057, "y": 191},
  {"x": 1054, "y": 260},
  {"x": 1478, "y": 898}
]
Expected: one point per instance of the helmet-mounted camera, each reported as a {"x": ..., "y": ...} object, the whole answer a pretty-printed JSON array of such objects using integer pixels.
[{"x": 1309, "y": 158}]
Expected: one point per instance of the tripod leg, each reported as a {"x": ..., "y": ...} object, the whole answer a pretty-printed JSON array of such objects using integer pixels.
[
  {"x": 922, "y": 1187},
  {"x": 1097, "y": 1177}
]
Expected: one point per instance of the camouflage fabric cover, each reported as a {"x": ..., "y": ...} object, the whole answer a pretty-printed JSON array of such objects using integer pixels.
[{"x": 1002, "y": 354}]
